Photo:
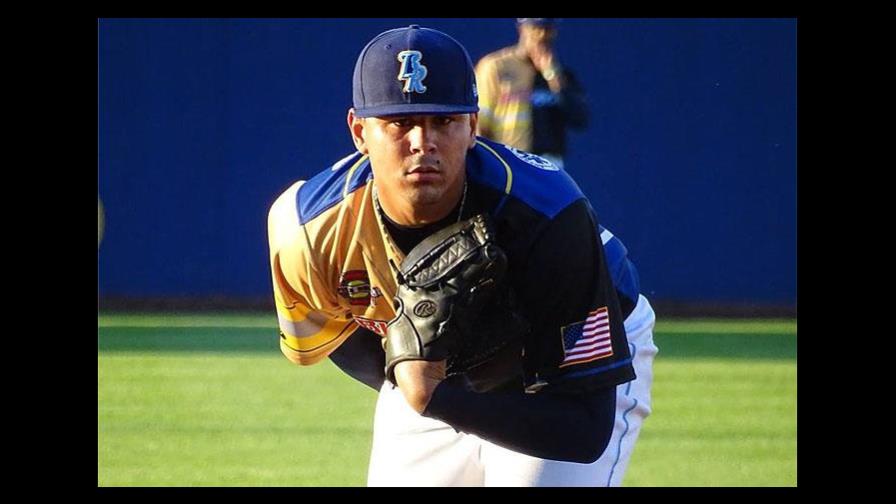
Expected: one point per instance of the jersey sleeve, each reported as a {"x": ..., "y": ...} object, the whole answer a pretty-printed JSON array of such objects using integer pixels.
[
  {"x": 311, "y": 322},
  {"x": 578, "y": 339}
]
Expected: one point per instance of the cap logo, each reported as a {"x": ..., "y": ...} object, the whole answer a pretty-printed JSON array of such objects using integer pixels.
[{"x": 412, "y": 72}]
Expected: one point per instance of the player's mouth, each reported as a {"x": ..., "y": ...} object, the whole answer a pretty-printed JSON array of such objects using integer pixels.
[{"x": 424, "y": 174}]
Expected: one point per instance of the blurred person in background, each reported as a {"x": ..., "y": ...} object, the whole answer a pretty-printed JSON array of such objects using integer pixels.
[{"x": 527, "y": 98}]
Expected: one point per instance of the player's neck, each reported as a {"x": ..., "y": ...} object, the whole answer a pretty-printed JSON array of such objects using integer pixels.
[{"x": 408, "y": 214}]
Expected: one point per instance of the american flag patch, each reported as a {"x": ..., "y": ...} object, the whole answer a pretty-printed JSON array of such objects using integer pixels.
[{"x": 589, "y": 340}]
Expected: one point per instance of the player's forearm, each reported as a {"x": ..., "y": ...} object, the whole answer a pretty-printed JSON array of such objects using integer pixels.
[
  {"x": 417, "y": 380},
  {"x": 552, "y": 426}
]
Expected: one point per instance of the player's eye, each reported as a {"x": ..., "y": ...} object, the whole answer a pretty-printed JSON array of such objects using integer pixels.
[{"x": 401, "y": 122}]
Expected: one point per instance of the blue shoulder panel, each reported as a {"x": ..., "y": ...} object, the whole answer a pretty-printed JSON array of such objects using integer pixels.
[
  {"x": 541, "y": 186},
  {"x": 528, "y": 178},
  {"x": 330, "y": 186}
]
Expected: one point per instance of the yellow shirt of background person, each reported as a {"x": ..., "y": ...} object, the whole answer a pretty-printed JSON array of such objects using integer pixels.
[{"x": 505, "y": 109}]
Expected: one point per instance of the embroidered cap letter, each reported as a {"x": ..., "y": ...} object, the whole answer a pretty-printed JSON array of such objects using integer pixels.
[{"x": 412, "y": 72}]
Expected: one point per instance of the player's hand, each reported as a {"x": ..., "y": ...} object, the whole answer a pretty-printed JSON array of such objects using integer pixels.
[{"x": 417, "y": 380}]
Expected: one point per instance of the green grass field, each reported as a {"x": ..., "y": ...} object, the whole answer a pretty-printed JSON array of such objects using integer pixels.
[{"x": 209, "y": 401}]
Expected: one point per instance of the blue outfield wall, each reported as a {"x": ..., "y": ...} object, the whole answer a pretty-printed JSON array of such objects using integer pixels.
[{"x": 690, "y": 156}]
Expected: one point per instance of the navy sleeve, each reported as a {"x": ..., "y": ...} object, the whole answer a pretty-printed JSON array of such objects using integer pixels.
[
  {"x": 578, "y": 339},
  {"x": 549, "y": 425},
  {"x": 361, "y": 356}
]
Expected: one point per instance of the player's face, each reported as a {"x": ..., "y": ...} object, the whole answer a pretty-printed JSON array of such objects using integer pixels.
[{"x": 420, "y": 157}]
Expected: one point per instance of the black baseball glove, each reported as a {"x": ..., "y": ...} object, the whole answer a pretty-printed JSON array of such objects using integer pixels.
[{"x": 444, "y": 284}]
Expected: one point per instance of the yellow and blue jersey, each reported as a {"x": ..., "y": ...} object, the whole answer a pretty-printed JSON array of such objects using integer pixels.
[{"x": 330, "y": 261}]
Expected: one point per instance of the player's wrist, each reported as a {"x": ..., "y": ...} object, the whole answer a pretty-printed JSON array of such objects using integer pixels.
[{"x": 417, "y": 380}]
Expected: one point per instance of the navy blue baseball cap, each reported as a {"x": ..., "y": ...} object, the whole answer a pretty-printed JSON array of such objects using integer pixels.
[{"x": 414, "y": 70}]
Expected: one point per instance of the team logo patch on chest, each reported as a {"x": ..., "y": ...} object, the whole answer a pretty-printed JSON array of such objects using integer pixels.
[
  {"x": 507, "y": 76},
  {"x": 354, "y": 285},
  {"x": 377, "y": 326}
]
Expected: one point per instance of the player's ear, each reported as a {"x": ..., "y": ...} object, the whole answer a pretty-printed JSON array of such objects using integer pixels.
[
  {"x": 474, "y": 121},
  {"x": 356, "y": 127}
]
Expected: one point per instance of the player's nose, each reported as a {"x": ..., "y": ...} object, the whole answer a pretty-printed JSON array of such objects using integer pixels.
[{"x": 422, "y": 138}]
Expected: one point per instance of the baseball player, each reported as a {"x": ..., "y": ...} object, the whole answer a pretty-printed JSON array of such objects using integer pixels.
[{"x": 469, "y": 282}]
